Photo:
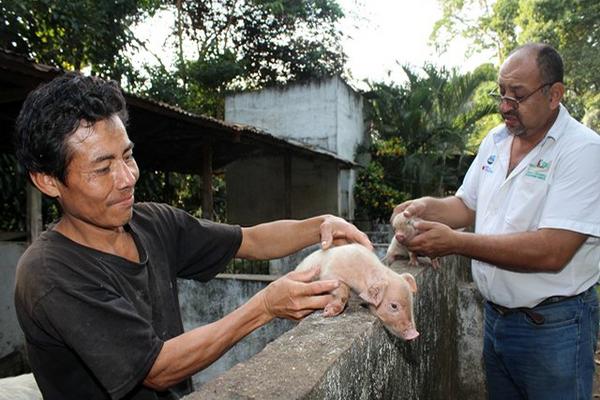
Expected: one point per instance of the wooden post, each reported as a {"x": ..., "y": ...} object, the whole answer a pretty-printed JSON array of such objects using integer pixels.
[
  {"x": 207, "y": 172},
  {"x": 34, "y": 213},
  {"x": 287, "y": 184}
]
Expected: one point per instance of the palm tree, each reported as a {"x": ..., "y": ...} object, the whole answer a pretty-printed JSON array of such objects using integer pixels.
[{"x": 421, "y": 130}]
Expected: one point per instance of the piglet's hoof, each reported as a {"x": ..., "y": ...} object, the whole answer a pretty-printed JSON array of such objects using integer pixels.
[{"x": 333, "y": 309}]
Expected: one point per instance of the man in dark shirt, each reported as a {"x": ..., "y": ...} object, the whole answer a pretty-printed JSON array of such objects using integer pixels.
[{"x": 96, "y": 294}]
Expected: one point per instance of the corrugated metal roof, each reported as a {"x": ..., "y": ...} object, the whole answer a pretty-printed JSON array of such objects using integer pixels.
[{"x": 168, "y": 137}]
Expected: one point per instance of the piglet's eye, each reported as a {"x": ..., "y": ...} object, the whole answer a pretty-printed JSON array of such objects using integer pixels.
[{"x": 394, "y": 306}]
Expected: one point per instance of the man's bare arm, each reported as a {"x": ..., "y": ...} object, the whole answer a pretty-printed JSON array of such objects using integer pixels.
[
  {"x": 280, "y": 238},
  {"x": 292, "y": 296},
  {"x": 544, "y": 250},
  {"x": 450, "y": 211}
]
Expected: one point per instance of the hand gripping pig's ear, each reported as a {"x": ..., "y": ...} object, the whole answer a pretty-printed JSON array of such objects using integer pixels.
[
  {"x": 374, "y": 294},
  {"x": 412, "y": 284}
]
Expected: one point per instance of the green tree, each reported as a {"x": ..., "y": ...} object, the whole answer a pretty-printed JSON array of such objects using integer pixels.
[
  {"x": 422, "y": 135},
  {"x": 422, "y": 129},
  {"x": 75, "y": 34},
  {"x": 375, "y": 197},
  {"x": 572, "y": 27},
  {"x": 262, "y": 42},
  {"x": 247, "y": 44}
]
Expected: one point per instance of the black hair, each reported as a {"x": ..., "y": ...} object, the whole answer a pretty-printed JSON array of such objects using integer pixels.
[
  {"x": 549, "y": 61},
  {"x": 54, "y": 111},
  {"x": 550, "y": 64}
]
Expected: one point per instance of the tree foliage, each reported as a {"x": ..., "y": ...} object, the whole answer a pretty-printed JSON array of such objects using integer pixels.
[
  {"x": 422, "y": 131},
  {"x": 572, "y": 27},
  {"x": 74, "y": 34},
  {"x": 262, "y": 42},
  {"x": 375, "y": 197},
  {"x": 247, "y": 44}
]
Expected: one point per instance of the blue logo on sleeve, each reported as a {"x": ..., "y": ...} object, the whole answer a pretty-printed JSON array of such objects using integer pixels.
[{"x": 491, "y": 159}]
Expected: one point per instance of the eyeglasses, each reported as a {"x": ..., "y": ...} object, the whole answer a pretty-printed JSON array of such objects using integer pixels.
[{"x": 515, "y": 101}]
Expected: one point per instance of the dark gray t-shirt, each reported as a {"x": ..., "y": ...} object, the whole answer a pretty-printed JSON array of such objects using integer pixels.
[{"x": 94, "y": 322}]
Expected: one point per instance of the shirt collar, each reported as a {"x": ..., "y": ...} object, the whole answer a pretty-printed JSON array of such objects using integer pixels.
[{"x": 555, "y": 132}]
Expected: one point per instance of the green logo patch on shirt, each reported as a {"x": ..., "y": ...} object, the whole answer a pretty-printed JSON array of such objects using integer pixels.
[{"x": 539, "y": 170}]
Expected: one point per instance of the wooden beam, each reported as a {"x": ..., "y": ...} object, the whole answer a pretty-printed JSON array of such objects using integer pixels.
[
  {"x": 34, "y": 213},
  {"x": 207, "y": 173}
]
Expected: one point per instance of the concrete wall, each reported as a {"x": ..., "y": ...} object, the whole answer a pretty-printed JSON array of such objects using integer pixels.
[
  {"x": 205, "y": 302},
  {"x": 347, "y": 357},
  {"x": 353, "y": 357},
  {"x": 12, "y": 359},
  {"x": 255, "y": 189},
  {"x": 326, "y": 113}
]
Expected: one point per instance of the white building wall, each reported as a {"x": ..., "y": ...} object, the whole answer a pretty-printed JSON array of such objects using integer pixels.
[
  {"x": 350, "y": 126},
  {"x": 326, "y": 113}
]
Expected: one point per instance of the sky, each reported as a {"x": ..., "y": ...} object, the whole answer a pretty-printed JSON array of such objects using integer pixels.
[
  {"x": 381, "y": 35},
  {"x": 385, "y": 34}
]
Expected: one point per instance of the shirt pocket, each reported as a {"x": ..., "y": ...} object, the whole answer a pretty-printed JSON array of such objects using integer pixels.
[{"x": 526, "y": 204}]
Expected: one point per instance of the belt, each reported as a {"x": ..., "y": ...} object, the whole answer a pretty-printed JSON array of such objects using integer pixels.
[{"x": 534, "y": 316}]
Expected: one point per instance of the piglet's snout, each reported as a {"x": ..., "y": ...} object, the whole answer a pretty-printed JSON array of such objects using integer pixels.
[{"x": 410, "y": 334}]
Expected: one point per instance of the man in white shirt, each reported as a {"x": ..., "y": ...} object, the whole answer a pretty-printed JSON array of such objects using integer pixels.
[{"x": 533, "y": 195}]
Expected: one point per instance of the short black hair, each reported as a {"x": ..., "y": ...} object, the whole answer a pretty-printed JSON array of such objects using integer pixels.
[
  {"x": 550, "y": 64},
  {"x": 548, "y": 60},
  {"x": 54, "y": 111}
]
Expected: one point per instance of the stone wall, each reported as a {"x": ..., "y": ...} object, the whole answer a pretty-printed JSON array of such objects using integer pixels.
[
  {"x": 352, "y": 356},
  {"x": 205, "y": 302},
  {"x": 12, "y": 349}
]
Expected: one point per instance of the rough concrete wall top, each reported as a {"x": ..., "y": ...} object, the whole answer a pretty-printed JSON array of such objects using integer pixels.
[
  {"x": 352, "y": 356},
  {"x": 326, "y": 113}
]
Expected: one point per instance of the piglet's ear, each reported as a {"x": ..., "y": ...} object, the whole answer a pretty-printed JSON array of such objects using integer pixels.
[
  {"x": 412, "y": 284},
  {"x": 374, "y": 293}
]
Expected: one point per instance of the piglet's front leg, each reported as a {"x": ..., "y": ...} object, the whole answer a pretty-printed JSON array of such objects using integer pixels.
[
  {"x": 337, "y": 305},
  {"x": 413, "y": 260}
]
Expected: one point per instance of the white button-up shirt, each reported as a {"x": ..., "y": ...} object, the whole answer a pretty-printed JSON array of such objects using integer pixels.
[{"x": 556, "y": 185}]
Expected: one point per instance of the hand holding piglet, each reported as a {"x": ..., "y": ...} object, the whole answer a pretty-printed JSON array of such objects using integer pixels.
[
  {"x": 434, "y": 240},
  {"x": 405, "y": 229}
]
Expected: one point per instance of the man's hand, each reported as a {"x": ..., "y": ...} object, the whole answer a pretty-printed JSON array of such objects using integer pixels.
[
  {"x": 337, "y": 231},
  {"x": 294, "y": 295},
  {"x": 450, "y": 210},
  {"x": 410, "y": 208},
  {"x": 434, "y": 240}
]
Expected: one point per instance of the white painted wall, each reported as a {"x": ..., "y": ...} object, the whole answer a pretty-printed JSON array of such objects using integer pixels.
[{"x": 326, "y": 113}]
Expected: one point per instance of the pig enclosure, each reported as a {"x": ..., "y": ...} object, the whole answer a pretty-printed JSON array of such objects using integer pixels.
[{"x": 352, "y": 356}]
